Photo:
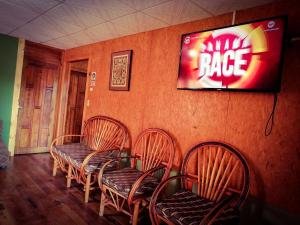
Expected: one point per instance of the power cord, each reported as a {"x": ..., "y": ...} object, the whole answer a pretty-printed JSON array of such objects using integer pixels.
[{"x": 270, "y": 122}]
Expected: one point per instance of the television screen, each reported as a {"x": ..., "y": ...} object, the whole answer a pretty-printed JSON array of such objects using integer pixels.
[{"x": 241, "y": 57}]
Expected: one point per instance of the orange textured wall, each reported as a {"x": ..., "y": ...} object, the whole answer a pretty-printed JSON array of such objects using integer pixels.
[{"x": 194, "y": 116}]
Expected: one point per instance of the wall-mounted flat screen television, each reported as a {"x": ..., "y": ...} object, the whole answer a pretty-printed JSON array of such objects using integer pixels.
[{"x": 244, "y": 57}]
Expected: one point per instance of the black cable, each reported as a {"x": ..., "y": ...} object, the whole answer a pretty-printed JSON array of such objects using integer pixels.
[{"x": 270, "y": 122}]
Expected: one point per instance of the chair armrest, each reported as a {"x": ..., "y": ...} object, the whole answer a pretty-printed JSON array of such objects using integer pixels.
[
  {"x": 63, "y": 136},
  {"x": 127, "y": 157},
  {"x": 139, "y": 181},
  {"x": 100, "y": 174},
  {"x": 90, "y": 156},
  {"x": 217, "y": 209},
  {"x": 155, "y": 195}
]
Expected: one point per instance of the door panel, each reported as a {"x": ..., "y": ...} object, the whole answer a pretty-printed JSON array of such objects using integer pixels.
[
  {"x": 37, "y": 100},
  {"x": 35, "y": 128},
  {"x": 25, "y": 137},
  {"x": 75, "y": 104}
]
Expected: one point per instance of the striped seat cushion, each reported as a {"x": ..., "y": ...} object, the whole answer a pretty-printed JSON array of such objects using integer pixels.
[
  {"x": 75, "y": 153},
  {"x": 123, "y": 179},
  {"x": 185, "y": 207}
]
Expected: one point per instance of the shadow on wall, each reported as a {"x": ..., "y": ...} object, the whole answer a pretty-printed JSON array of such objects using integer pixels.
[
  {"x": 178, "y": 156},
  {"x": 256, "y": 212},
  {"x": 252, "y": 212}
]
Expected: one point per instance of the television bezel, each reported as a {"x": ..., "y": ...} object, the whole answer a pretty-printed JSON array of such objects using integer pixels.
[{"x": 280, "y": 67}]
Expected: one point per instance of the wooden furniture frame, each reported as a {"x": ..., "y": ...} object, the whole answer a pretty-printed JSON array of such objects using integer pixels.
[
  {"x": 219, "y": 173},
  {"x": 101, "y": 134},
  {"x": 154, "y": 149}
]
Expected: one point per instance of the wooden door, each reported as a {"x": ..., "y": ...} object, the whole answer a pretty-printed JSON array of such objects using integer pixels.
[
  {"x": 75, "y": 105},
  {"x": 36, "y": 108}
]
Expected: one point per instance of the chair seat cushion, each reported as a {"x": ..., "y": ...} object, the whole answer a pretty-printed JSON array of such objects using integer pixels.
[
  {"x": 185, "y": 207},
  {"x": 123, "y": 179},
  {"x": 75, "y": 153}
]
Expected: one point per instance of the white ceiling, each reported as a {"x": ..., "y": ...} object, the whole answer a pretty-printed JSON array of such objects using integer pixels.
[{"x": 71, "y": 23}]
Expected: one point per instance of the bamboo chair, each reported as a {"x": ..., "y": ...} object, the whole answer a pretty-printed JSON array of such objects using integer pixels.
[
  {"x": 214, "y": 185},
  {"x": 102, "y": 139},
  {"x": 154, "y": 153}
]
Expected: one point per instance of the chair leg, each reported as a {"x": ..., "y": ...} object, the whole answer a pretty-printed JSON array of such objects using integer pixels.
[
  {"x": 54, "y": 168},
  {"x": 102, "y": 202},
  {"x": 158, "y": 220},
  {"x": 69, "y": 176},
  {"x": 135, "y": 216},
  {"x": 87, "y": 188}
]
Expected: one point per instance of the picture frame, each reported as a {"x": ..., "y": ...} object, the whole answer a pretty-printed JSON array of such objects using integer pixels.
[{"x": 120, "y": 69}]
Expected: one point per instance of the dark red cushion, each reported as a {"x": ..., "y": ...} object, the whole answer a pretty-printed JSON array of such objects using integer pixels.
[
  {"x": 185, "y": 207},
  {"x": 123, "y": 179}
]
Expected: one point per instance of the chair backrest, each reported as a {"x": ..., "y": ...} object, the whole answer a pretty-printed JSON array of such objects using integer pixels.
[
  {"x": 217, "y": 169},
  {"x": 102, "y": 133},
  {"x": 154, "y": 147}
]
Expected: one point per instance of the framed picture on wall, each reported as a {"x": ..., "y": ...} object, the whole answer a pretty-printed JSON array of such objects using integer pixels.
[{"x": 120, "y": 71}]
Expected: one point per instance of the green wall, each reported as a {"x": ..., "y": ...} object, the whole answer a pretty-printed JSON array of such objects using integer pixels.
[{"x": 8, "y": 58}]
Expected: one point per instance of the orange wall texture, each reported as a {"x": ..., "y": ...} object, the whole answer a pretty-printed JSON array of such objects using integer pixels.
[{"x": 193, "y": 116}]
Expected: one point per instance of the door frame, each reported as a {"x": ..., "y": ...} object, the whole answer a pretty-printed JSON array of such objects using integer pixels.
[
  {"x": 61, "y": 112},
  {"x": 16, "y": 96}
]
